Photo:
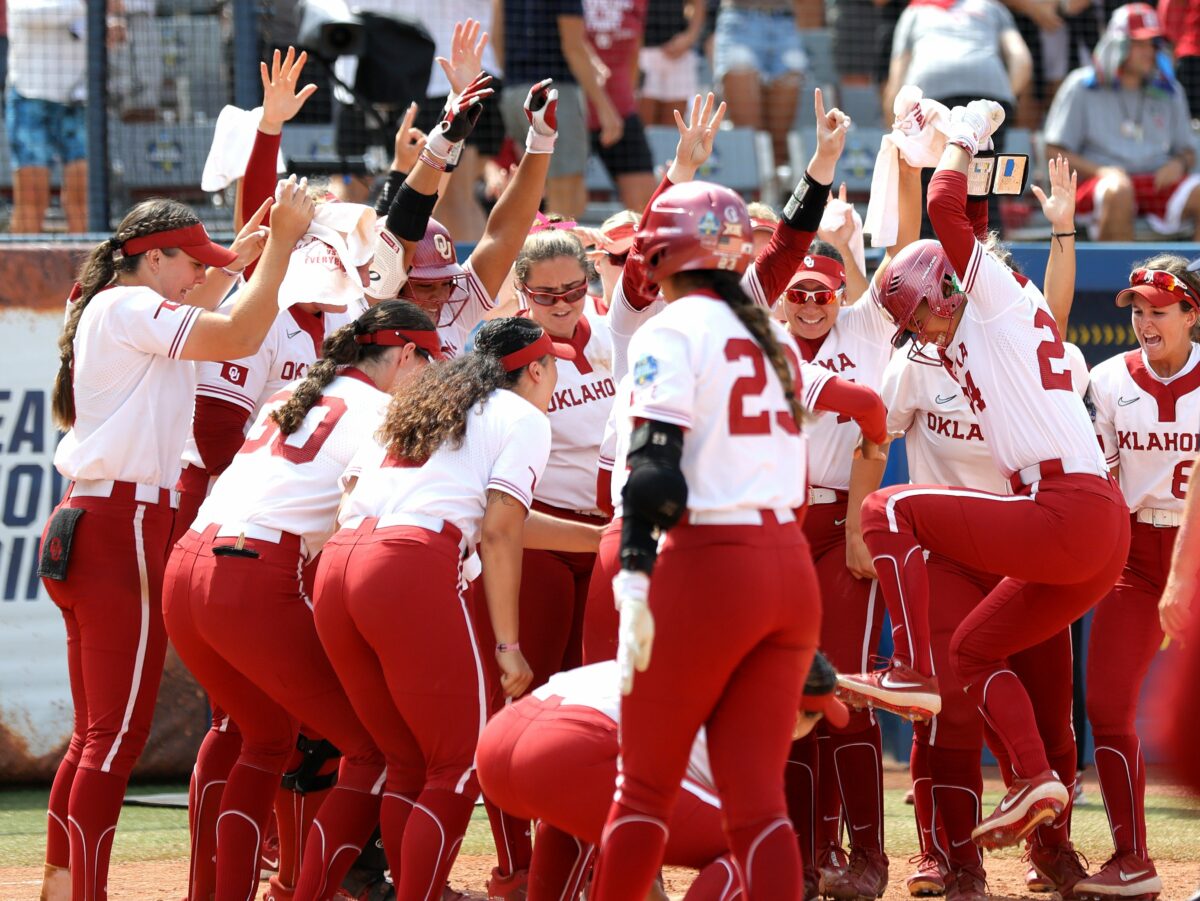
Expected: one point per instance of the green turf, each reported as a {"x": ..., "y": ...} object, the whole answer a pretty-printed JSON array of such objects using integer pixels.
[{"x": 161, "y": 834}]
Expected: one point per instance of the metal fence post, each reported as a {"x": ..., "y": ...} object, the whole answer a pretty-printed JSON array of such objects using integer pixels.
[
  {"x": 97, "y": 116},
  {"x": 247, "y": 87}
]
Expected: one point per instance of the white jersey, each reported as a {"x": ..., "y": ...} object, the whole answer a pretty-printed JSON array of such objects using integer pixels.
[
  {"x": 696, "y": 366},
  {"x": 1011, "y": 364},
  {"x": 598, "y": 687},
  {"x": 505, "y": 448},
  {"x": 292, "y": 483},
  {"x": 856, "y": 349},
  {"x": 1149, "y": 427},
  {"x": 134, "y": 396},
  {"x": 578, "y": 412},
  {"x": 454, "y": 336},
  {"x": 942, "y": 437}
]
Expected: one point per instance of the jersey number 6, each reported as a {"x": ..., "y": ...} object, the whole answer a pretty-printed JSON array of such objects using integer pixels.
[{"x": 753, "y": 385}]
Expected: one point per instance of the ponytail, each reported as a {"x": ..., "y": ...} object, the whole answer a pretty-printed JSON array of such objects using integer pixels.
[{"x": 100, "y": 270}]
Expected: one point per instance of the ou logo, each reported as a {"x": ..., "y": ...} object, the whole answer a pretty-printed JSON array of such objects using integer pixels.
[
  {"x": 234, "y": 373},
  {"x": 443, "y": 246}
]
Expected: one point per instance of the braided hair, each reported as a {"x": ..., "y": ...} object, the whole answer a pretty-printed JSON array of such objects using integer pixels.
[
  {"x": 100, "y": 270},
  {"x": 342, "y": 349},
  {"x": 727, "y": 285}
]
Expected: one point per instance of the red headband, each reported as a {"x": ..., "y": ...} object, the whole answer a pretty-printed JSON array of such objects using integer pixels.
[
  {"x": 426, "y": 340},
  {"x": 535, "y": 351},
  {"x": 192, "y": 239}
]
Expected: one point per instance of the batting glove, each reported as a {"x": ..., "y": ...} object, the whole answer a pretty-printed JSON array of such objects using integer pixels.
[
  {"x": 995, "y": 115},
  {"x": 541, "y": 109},
  {"x": 635, "y": 632},
  {"x": 969, "y": 127},
  {"x": 458, "y": 118}
]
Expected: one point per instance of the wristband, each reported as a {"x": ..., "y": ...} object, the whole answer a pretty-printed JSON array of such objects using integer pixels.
[
  {"x": 432, "y": 160},
  {"x": 1070, "y": 234},
  {"x": 232, "y": 273},
  {"x": 806, "y": 206},
  {"x": 539, "y": 143},
  {"x": 502, "y": 647},
  {"x": 409, "y": 216}
]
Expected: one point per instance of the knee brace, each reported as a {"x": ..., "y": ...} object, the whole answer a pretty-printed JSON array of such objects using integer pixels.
[{"x": 307, "y": 776}]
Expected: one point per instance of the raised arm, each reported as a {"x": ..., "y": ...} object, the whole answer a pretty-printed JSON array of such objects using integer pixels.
[{"x": 1059, "y": 208}]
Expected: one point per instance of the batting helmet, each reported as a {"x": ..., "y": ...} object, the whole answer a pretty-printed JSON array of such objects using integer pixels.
[
  {"x": 444, "y": 281},
  {"x": 695, "y": 225},
  {"x": 919, "y": 272}
]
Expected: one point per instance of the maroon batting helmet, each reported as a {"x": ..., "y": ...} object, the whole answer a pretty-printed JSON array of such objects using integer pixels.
[
  {"x": 695, "y": 225},
  {"x": 919, "y": 272},
  {"x": 443, "y": 288}
]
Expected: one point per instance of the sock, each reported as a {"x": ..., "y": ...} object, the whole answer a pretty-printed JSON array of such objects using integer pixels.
[
  {"x": 829, "y": 799},
  {"x": 431, "y": 832},
  {"x": 767, "y": 860},
  {"x": 343, "y": 823},
  {"x": 514, "y": 846},
  {"x": 1006, "y": 708},
  {"x": 858, "y": 765},
  {"x": 58, "y": 837},
  {"x": 216, "y": 757},
  {"x": 560, "y": 863},
  {"x": 631, "y": 852},
  {"x": 957, "y": 785},
  {"x": 1058, "y": 830},
  {"x": 904, "y": 581},
  {"x": 1122, "y": 773},
  {"x": 717, "y": 882},
  {"x": 800, "y": 789},
  {"x": 93, "y": 809},
  {"x": 245, "y": 809}
]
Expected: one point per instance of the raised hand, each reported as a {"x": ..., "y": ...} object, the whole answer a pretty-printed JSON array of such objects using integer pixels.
[
  {"x": 410, "y": 141},
  {"x": 459, "y": 117},
  {"x": 838, "y": 229},
  {"x": 466, "y": 54},
  {"x": 251, "y": 240},
  {"x": 832, "y": 126},
  {"x": 292, "y": 212},
  {"x": 281, "y": 102},
  {"x": 696, "y": 137},
  {"x": 541, "y": 109},
  {"x": 1059, "y": 207}
]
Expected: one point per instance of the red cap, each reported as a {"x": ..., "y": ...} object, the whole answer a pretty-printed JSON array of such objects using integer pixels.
[
  {"x": 1137, "y": 21},
  {"x": 425, "y": 339},
  {"x": 825, "y": 270},
  {"x": 1159, "y": 287},
  {"x": 535, "y": 350},
  {"x": 192, "y": 240}
]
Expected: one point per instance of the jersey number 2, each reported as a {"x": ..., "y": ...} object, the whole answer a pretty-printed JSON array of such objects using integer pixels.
[
  {"x": 1051, "y": 349},
  {"x": 753, "y": 385},
  {"x": 334, "y": 408}
]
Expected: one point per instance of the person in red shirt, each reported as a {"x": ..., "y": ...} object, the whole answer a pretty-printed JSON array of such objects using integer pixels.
[{"x": 1181, "y": 20}]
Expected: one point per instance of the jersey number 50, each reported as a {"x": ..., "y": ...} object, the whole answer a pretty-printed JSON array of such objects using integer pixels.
[{"x": 753, "y": 385}]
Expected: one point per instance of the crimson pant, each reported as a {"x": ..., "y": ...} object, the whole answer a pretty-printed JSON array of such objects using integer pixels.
[
  {"x": 1124, "y": 639},
  {"x": 737, "y": 618},
  {"x": 111, "y": 603},
  {"x": 242, "y": 624},
  {"x": 392, "y": 616},
  {"x": 1061, "y": 544},
  {"x": 1180, "y": 725},
  {"x": 600, "y": 615}
]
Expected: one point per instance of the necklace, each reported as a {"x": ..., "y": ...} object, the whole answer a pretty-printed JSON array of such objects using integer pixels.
[{"x": 1130, "y": 127}]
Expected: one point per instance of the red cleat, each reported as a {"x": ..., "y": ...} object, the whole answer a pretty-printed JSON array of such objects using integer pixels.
[
  {"x": 1124, "y": 876},
  {"x": 967, "y": 884},
  {"x": 1028, "y": 804},
  {"x": 928, "y": 879},
  {"x": 513, "y": 887},
  {"x": 896, "y": 687},
  {"x": 865, "y": 879}
]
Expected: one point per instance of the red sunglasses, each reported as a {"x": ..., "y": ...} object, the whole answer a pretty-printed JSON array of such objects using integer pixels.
[
  {"x": 550, "y": 298},
  {"x": 821, "y": 298},
  {"x": 1164, "y": 281}
]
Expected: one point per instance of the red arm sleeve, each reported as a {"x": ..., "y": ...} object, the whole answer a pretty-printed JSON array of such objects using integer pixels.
[
  {"x": 977, "y": 212},
  {"x": 858, "y": 402},
  {"x": 258, "y": 183},
  {"x": 780, "y": 259},
  {"x": 219, "y": 429},
  {"x": 948, "y": 215},
  {"x": 638, "y": 292},
  {"x": 604, "y": 491}
]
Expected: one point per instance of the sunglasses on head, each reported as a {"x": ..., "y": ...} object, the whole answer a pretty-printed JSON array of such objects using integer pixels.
[
  {"x": 574, "y": 294},
  {"x": 821, "y": 297},
  {"x": 1164, "y": 281}
]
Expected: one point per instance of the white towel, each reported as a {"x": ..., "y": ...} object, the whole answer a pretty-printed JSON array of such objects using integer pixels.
[
  {"x": 919, "y": 133},
  {"x": 233, "y": 139},
  {"x": 834, "y": 215},
  {"x": 324, "y": 264}
]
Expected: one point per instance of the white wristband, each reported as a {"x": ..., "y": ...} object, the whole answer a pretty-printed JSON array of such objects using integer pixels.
[{"x": 539, "y": 143}]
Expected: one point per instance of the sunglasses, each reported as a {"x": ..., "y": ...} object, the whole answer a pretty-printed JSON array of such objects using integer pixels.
[
  {"x": 573, "y": 294},
  {"x": 1164, "y": 281},
  {"x": 821, "y": 298}
]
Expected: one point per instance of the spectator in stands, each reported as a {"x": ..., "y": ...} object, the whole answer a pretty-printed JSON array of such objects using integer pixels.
[
  {"x": 614, "y": 28},
  {"x": 668, "y": 58},
  {"x": 1123, "y": 122},
  {"x": 3, "y": 47},
  {"x": 546, "y": 39},
  {"x": 1181, "y": 20},
  {"x": 44, "y": 113},
  {"x": 759, "y": 61}
]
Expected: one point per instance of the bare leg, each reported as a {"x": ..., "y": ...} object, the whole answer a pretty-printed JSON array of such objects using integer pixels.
[
  {"x": 31, "y": 196},
  {"x": 74, "y": 195},
  {"x": 566, "y": 195},
  {"x": 458, "y": 209},
  {"x": 635, "y": 188},
  {"x": 781, "y": 97},
  {"x": 1114, "y": 195},
  {"x": 1192, "y": 211},
  {"x": 743, "y": 93}
]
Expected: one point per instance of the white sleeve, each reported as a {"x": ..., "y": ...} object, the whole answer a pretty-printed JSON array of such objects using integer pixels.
[
  {"x": 866, "y": 317},
  {"x": 1080, "y": 375},
  {"x": 990, "y": 286},
  {"x": 753, "y": 287},
  {"x": 664, "y": 384},
  {"x": 478, "y": 301},
  {"x": 608, "y": 444},
  {"x": 898, "y": 393},
  {"x": 813, "y": 379},
  {"x": 240, "y": 382},
  {"x": 524, "y": 450},
  {"x": 623, "y": 321},
  {"x": 370, "y": 455},
  {"x": 146, "y": 322},
  {"x": 1102, "y": 416}
]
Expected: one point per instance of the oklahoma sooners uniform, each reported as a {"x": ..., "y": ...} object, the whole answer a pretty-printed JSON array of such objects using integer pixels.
[
  {"x": 479, "y": 302},
  {"x": 734, "y": 597},
  {"x": 426, "y": 702},
  {"x": 104, "y": 550},
  {"x": 238, "y": 579},
  {"x": 1008, "y": 359},
  {"x": 1149, "y": 428}
]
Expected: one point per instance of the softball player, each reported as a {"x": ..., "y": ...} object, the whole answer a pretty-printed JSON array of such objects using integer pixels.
[
  {"x": 1146, "y": 406},
  {"x": 130, "y": 334},
  {"x": 553, "y": 756},
  {"x": 999, "y": 341},
  {"x": 463, "y": 447}
]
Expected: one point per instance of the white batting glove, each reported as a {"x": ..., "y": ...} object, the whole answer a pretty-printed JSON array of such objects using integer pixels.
[
  {"x": 541, "y": 109},
  {"x": 969, "y": 127},
  {"x": 458, "y": 119},
  {"x": 635, "y": 633},
  {"x": 995, "y": 115}
]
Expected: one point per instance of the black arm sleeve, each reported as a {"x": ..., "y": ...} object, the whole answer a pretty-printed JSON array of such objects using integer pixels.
[
  {"x": 391, "y": 188},
  {"x": 655, "y": 494},
  {"x": 409, "y": 214},
  {"x": 806, "y": 206}
]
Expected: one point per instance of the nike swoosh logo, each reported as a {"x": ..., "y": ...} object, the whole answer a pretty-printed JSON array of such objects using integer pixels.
[
  {"x": 1007, "y": 803},
  {"x": 839, "y": 522},
  {"x": 1126, "y": 401},
  {"x": 293, "y": 334},
  {"x": 890, "y": 683},
  {"x": 1129, "y": 877},
  {"x": 943, "y": 400}
]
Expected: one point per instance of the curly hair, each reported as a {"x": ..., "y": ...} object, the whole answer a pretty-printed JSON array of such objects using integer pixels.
[
  {"x": 98, "y": 271},
  {"x": 431, "y": 409},
  {"x": 342, "y": 349}
]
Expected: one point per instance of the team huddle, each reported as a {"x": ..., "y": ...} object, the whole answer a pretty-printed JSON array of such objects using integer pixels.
[{"x": 564, "y": 525}]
